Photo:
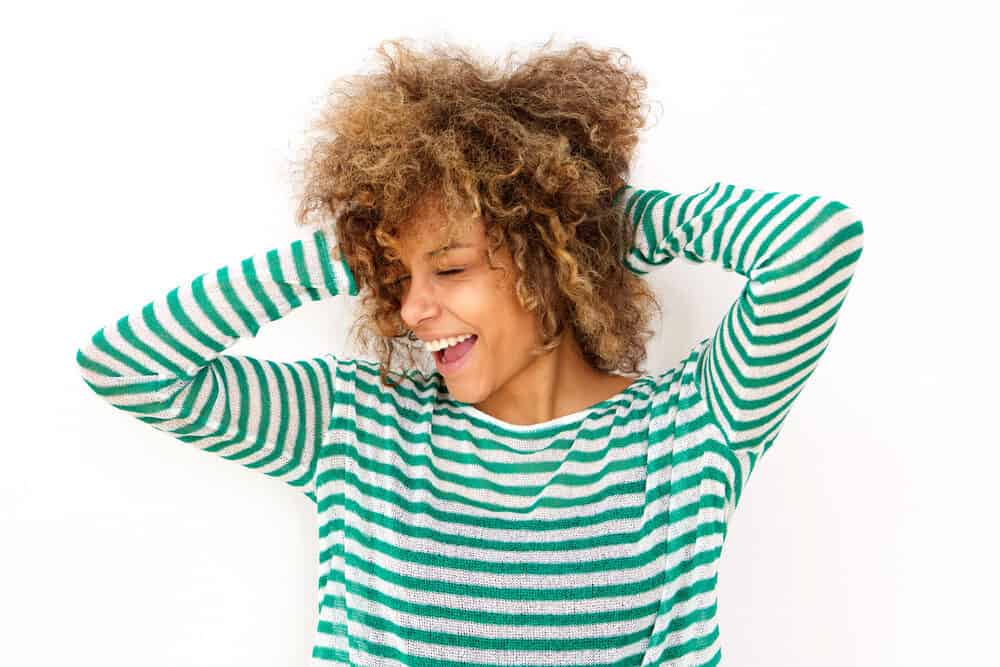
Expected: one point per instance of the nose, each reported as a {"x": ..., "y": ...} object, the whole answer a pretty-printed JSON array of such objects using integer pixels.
[{"x": 418, "y": 302}]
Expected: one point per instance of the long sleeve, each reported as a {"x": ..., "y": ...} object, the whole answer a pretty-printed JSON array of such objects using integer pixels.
[
  {"x": 163, "y": 364},
  {"x": 798, "y": 254}
]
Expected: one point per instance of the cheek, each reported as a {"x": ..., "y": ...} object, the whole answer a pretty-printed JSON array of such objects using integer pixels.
[
  {"x": 485, "y": 304},
  {"x": 515, "y": 322}
]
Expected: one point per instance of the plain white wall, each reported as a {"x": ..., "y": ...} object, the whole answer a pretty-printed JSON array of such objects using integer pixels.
[{"x": 143, "y": 144}]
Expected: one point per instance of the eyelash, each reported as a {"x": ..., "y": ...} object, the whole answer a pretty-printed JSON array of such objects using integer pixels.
[{"x": 440, "y": 273}]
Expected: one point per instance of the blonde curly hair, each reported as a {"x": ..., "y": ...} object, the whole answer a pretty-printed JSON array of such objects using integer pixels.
[{"x": 536, "y": 151}]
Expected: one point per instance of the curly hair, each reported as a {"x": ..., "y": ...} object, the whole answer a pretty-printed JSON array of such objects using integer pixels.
[{"x": 536, "y": 151}]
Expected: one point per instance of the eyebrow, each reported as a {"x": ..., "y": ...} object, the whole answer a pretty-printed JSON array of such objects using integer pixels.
[{"x": 447, "y": 248}]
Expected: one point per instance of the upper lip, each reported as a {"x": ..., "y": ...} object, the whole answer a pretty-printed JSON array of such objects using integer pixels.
[{"x": 430, "y": 339}]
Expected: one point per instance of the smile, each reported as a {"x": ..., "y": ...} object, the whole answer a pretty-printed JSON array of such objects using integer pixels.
[{"x": 458, "y": 355}]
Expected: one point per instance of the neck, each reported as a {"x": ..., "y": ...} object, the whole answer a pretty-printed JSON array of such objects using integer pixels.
[{"x": 554, "y": 385}]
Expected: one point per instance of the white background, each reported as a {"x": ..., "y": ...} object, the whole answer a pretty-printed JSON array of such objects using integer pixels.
[{"x": 145, "y": 143}]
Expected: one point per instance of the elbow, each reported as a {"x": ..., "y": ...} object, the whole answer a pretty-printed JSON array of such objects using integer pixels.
[{"x": 848, "y": 220}]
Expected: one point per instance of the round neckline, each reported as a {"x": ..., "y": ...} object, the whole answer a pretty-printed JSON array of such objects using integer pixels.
[{"x": 473, "y": 411}]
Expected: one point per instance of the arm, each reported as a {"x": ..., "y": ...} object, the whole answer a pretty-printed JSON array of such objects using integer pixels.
[
  {"x": 164, "y": 364},
  {"x": 798, "y": 254}
]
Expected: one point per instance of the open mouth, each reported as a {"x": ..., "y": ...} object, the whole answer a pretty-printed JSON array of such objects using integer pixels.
[{"x": 451, "y": 358}]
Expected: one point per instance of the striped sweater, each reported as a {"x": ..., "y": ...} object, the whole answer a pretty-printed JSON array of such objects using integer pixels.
[{"x": 450, "y": 537}]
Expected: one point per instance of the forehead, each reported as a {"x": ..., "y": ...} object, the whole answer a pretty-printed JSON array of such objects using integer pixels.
[{"x": 427, "y": 236}]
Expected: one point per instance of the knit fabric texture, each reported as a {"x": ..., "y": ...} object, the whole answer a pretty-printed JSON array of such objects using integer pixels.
[{"x": 448, "y": 537}]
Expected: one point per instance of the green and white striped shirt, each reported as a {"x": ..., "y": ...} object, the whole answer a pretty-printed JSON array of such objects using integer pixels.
[{"x": 449, "y": 537}]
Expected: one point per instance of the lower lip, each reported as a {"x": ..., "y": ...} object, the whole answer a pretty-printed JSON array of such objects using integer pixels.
[{"x": 447, "y": 368}]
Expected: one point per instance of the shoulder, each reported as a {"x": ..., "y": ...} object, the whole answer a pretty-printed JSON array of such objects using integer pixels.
[{"x": 399, "y": 389}]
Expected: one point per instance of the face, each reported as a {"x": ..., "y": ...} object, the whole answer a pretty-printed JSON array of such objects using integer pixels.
[{"x": 454, "y": 292}]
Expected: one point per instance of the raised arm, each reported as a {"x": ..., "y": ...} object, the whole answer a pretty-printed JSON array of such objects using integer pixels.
[
  {"x": 163, "y": 364},
  {"x": 798, "y": 254}
]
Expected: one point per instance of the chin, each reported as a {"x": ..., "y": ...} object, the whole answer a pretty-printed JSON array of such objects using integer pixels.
[{"x": 461, "y": 391}]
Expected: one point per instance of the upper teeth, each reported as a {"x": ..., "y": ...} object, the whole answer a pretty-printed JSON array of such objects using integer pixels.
[{"x": 436, "y": 345}]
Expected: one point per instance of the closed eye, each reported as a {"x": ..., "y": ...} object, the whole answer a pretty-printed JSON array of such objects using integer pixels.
[{"x": 440, "y": 273}]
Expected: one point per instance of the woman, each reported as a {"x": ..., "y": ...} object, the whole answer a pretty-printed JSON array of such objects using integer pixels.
[{"x": 518, "y": 501}]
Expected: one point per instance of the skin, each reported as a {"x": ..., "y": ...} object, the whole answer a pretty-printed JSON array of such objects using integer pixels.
[{"x": 501, "y": 378}]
